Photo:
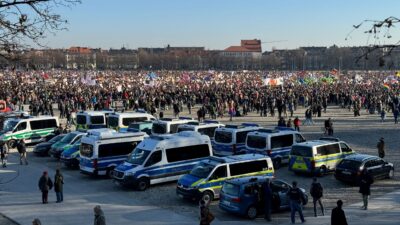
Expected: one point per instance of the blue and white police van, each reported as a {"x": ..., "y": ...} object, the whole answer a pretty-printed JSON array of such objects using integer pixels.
[
  {"x": 231, "y": 139},
  {"x": 169, "y": 125},
  {"x": 101, "y": 150},
  {"x": 208, "y": 127},
  {"x": 276, "y": 143},
  {"x": 163, "y": 158}
]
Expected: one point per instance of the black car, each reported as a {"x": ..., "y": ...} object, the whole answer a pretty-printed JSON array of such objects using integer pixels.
[
  {"x": 43, "y": 148},
  {"x": 350, "y": 168}
]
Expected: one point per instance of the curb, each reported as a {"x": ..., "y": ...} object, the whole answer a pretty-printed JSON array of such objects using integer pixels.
[{"x": 11, "y": 220}]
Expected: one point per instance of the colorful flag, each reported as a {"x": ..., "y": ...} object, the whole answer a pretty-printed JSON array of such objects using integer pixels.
[
  {"x": 398, "y": 74},
  {"x": 386, "y": 86}
]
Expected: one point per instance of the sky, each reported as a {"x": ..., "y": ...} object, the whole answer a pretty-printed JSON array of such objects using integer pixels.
[{"x": 218, "y": 24}]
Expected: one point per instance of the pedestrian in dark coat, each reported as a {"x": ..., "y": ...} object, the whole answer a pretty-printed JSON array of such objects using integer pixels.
[
  {"x": 99, "y": 218},
  {"x": 316, "y": 192},
  {"x": 206, "y": 217},
  {"x": 338, "y": 217},
  {"x": 22, "y": 151},
  {"x": 381, "y": 148},
  {"x": 45, "y": 184},
  {"x": 267, "y": 200},
  {"x": 365, "y": 187},
  {"x": 58, "y": 186}
]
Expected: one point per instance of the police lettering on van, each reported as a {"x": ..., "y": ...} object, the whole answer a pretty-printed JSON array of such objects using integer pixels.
[
  {"x": 161, "y": 159},
  {"x": 31, "y": 129},
  {"x": 274, "y": 143},
  {"x": 206, "y": 179},
  {"x": 101, "y": 150},
  {"x": 231, "y": 139},
  {"x": 317, "y": 157}
]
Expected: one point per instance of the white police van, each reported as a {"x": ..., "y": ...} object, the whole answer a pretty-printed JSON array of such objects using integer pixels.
[
  {"x": 121, "y": 121},
  {"x": 231, "y": 139},
  {"x": 102, "y": 150},
  {"x": 276, "y": 143},
  {"x": 208, "y": 127},
  {"x": 169, "y": 125},
  {"x": 86, "y": 120},
  {"x": 161, "y": 159}
]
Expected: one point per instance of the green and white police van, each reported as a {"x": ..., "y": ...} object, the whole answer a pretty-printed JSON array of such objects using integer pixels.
[{"x": 31, "y": 129}]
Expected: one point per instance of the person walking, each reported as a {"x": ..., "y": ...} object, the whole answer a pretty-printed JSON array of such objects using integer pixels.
[
  {"x": 381, "y": 148},
  {"x": 45, "y": 184},
  {"x": 36, "y": 221},
  {"x": 58, "y": 186},
  {"x": 267, "y": 200},
  {"x": 365, "y": 187},
  {"x": 296, "y": 123},
  {"x": 338, "y": 217},
  {"x": 99, "y": 218},
  {"x": 22, "y": 151},
  {"x": 316, "y": 192},
  {"x": 3, "y": 154},
  {"x": 206, "y": 217},
  {"x": 295, "y": 201}
]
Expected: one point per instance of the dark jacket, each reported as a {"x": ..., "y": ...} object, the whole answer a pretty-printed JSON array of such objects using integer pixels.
[
  {"x": 21, "y": 147},
  {"x": 45, "y": 183},
  {"x": 99, "y": 219},
  {"x": 316, "y": 190},
  {"x": 58, "y": 182},
  {"x": 296, "y": 195},
  {"x": 365, "y": 184},
  {"x": 204, "y": 211},
  {"x": 338, "y": 217}
]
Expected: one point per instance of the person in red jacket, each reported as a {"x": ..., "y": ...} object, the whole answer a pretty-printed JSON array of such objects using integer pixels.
[{"x": 296, "y": 123}]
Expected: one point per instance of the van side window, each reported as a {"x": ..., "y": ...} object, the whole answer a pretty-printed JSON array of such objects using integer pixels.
[
  {"x": 209, "y": 131},
  {"x": 248, "y": 167},
  {"x": 21, "y": 126},
  {"x": 220, "y": 172},
  {"x": 328, "y": 149},
  {"x": 282, "y": 141},
  {"x": 344, "y": 147},
  {"x": 114, "y": 149},
  {"x": 154, "y": 158},
  {"x": 241, "y": 136},
  {"x": 299, "y": 138},
  {"x": 174, "y": 128},
  {"x": 187, "y": 153},
  {"x": 127, "y": 121}
]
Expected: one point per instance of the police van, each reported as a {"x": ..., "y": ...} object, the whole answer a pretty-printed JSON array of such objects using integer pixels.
[
  {"x": 90, "y": 120},
  {"x": 120, "y": 121},
  {"x": 169, "y": 125},
  {"x": 101, "y": 150},
  {"x": 31, "y": 129},
  {"x": 207, "y": 128},
  {"x": 161, "y": 159},
  {"x": 317, "y": 157},
  {"x": 141, "y": 127},
  {"x": 231, "y": 139},
  {"x": 206, "y": 178},
  {"x": 274, "y": 143}
]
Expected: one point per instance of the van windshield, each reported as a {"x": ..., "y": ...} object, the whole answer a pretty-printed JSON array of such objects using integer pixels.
[
  {"x": 159, "y": 128},
  {"x": 301, "y": 151},
  {"x": 113, "y": 121},
  {"x": 231, "y": 189},
  {"x": 185, "y": 129},
  {"x": 138, "y": 156},
  {"x": 223, "y": 136},
  {"x": 97, "y": 119},
  {"x": 256, "y": 141},
  {"x": 9, "y": 125},
  {"x": 202, "y": 170},
  {"x": 81, "y": 119},
  {"x": 86, "y": 150}
]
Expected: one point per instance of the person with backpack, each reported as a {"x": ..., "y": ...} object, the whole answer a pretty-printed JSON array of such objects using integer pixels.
[
  {"x": 45, "y": 184},
  {"x": 316, "y": 192},
  {"x": 296, "y": 198},
  {"x": 22, "y": 151}
]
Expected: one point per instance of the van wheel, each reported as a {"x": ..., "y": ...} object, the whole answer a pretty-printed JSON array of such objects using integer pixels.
[
  {"x": 252, "y": 212},
  {"x": 11, "y": 143},
  {"x": 390, "y": 174},
  {"x": 322, "y": 171},
  {"x": 277, "y": 163},
  {"x": 208, "y": 196},
  {"x": 143, "y": 184},
  {"x": 109, "y": 172}
]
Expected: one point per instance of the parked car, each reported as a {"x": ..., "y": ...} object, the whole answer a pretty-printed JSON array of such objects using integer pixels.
[
  {"x": 43, "y": 148},
  {"x": 69, "y": 139},
  {"x": 350, "y": 168},
  {"x": 70, "y": 156},
  {"x": 241, "y": 196}
]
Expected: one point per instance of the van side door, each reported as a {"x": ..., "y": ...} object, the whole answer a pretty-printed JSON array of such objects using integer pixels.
[{"x": 217, "y": 178}]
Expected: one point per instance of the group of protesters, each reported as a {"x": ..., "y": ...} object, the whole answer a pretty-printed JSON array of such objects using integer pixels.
[{"x": 220, "y": 93}]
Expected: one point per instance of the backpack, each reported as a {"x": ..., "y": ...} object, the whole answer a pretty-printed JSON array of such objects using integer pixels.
[{"x": 317, "y": 190}]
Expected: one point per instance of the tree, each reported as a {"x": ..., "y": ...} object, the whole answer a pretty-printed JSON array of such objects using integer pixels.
[
  {"x": 24, "y": 21},
  {"x": 380, "y": 29}
]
